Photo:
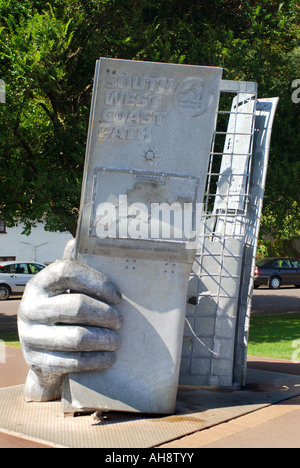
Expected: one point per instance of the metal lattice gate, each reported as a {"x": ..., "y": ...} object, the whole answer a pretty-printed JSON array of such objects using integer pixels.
[{"x": 221, "y": 283}]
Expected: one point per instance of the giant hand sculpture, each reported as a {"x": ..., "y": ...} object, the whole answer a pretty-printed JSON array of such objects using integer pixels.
[{"x": 67, "y": 324}]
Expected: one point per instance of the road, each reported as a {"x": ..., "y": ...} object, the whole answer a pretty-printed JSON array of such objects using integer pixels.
[
  {"x": 265, "y": 301},
  {"x": 8, "y": 315},
  {"x": 283, "y": 300}
]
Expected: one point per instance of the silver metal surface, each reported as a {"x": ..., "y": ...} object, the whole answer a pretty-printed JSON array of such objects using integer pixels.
[
  {"x": 264, "y": 118},
  {"x": 131, "y": 163},
  {"x": 149, "y": 138},
  {"x": 61, "y": 332},
  {"x": 221, "y": 284}
]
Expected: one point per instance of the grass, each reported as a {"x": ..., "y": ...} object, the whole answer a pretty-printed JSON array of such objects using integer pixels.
[
  {"x": 11, "y": 339},
  {"x": 270, "y": 336},
  {"x": 273, "y": 336}
]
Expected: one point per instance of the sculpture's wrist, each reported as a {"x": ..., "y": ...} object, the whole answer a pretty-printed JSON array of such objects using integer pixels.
[{"x": 43, "y": 387}]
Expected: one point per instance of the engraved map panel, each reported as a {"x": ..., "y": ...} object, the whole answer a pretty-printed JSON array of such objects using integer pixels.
[{"x": 140, "y": 205}]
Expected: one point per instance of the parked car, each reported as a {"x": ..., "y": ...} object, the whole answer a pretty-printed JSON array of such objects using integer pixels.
[
  {"x": 275, "y": 272},
  {"x": 15, "y": 275}
]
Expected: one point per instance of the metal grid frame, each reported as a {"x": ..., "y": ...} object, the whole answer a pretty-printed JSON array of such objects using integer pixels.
[
  {"x": 233, "y": 222},
  {"x": 212, "y": 313}
]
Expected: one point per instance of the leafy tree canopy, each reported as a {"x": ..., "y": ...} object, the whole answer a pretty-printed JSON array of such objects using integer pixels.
[{"x": 47, "y": 58}]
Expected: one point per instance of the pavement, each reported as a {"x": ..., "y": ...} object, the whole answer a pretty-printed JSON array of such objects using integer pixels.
[{"x": 273, "y": 426}]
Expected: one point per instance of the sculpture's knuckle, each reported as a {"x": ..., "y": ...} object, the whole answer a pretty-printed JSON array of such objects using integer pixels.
[
  {"x": 80, "y": 304},
  {"x": 23, "y": 310},
  {"x": 62, "y": 268},
  {"x": 117, "y": 337},
  {"x": 80, "y": 337}
]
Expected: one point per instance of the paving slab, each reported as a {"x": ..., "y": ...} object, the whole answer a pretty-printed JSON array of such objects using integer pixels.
[{"x": 275, "y": 426}]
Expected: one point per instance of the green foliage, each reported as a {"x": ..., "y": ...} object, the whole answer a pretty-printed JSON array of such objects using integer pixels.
[
  {"x": 47, "y": 57},
  {"x": 276, "y": 248},
  {"x": 42, "y": 124},
  {"x": 11, "y": 339}
]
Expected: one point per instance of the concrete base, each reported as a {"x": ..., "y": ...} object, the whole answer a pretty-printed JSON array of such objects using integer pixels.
[{"x": 197, "y": 409}]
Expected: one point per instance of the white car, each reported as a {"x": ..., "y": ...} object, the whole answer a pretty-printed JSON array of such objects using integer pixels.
[{"x": 15, "y": 275}]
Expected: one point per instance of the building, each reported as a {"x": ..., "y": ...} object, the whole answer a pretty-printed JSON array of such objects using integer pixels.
[{"x": 39, "y": 246}]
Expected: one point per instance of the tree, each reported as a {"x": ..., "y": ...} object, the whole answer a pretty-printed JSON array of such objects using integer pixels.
[
  {"x": 43, "y": 125},
  {"x": 47, "y": 59}
]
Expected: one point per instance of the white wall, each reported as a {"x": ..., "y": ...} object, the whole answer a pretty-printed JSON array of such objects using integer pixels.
[{"x": 29, "y": 248}]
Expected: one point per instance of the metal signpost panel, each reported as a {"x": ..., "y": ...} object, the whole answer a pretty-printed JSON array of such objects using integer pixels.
[
  {"x": 264, "y": 118},
  {"x": 150, "y": 134}
]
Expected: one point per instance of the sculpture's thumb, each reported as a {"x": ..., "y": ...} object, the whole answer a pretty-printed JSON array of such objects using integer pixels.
[{"x": 69, "y": 252}]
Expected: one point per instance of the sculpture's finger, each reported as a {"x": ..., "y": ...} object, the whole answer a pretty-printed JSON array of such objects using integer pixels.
[
  {"x": 70, "y": 309},
  {"x": 62, "y": 363},
  {"x": 67, "y": 338},
  {"x": 64, "y": 275}
]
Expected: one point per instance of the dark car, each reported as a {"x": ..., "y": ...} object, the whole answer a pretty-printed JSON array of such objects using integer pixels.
[{"x": 275, "y": 272}]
